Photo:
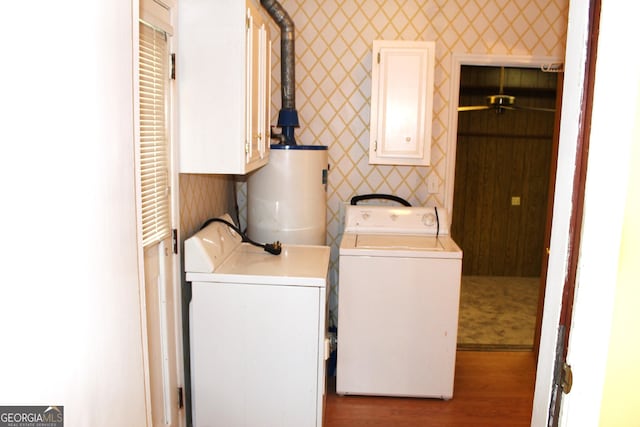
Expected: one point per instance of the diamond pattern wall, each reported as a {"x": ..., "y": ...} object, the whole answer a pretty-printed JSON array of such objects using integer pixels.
[
  {"x": 333, "y": 71},
  {"x": 202, "y": 197}
]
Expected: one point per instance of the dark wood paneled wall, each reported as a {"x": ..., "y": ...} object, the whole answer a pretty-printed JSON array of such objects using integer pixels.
[{"x": 498, "y": 157}]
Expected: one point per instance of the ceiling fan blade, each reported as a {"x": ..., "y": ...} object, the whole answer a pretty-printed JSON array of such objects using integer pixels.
[
  {"x": 473, "y": 107},
  {"x": 524, "y": 107},
  {"x": 501, "y": 101}
]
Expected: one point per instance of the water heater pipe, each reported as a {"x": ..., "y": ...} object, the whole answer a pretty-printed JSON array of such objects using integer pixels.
[{"x": 288, "y": 116}]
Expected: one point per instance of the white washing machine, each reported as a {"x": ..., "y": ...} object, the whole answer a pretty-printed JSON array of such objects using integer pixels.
[
  {"x": 258, "y": 333},
  {"x": 398, "y": 302}
]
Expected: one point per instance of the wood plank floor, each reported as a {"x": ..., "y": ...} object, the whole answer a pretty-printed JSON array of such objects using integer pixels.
[{"x": 491, "y": 389}]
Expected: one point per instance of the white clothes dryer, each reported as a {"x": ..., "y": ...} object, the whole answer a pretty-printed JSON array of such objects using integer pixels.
[
  {"x": 258, "y": 331},
  {"x": 398, "y": 301}
]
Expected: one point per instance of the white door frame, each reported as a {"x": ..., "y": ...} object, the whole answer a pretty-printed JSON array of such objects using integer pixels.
[
  {"x": 162, "y": 13},
  {"x": 457, "y": 61}
]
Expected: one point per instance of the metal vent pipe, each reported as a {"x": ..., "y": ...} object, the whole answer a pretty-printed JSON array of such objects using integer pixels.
[{"x": 288, "y": 116}]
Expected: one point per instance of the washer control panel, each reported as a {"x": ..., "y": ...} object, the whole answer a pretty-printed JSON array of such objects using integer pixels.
[{"x": 388, "y": 219}]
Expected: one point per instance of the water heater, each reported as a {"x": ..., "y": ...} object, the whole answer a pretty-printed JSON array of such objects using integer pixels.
[{"x": 287, "y": 198}]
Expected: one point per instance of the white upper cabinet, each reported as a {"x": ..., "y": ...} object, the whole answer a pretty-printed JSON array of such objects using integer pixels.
[
  {"x": 223, "y": 73},
  {"x": 401, "y": 102}
]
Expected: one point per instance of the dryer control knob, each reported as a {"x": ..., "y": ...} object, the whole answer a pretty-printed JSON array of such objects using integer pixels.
[{"x": 429, "y": 219}]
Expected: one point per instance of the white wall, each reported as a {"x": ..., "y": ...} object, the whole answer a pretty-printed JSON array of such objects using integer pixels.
[
  {"x": 69, "y": 307},
  {"x": 619, "y": 402}
]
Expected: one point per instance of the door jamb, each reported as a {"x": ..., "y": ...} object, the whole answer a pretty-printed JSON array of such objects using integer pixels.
[{"x": 547, "y": 231}]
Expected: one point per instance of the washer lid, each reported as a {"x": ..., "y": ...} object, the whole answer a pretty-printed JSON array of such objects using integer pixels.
[
  {"x": 398, "y": 245},
  {"x": 398, "y": 241}
]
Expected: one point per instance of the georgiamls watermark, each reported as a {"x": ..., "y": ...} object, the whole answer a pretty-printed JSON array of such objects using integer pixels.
[{"x": 31, "y": 416}]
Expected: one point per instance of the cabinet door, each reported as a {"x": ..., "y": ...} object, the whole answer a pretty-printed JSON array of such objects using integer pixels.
[
  {"x": 258, "y": 76},
  {"x": 401, "y": 102},
  {"x": 223, "y": 75}
]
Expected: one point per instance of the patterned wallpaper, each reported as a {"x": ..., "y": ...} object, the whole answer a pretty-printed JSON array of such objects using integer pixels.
[
  {"x": 202, "y": 197},
  {"x": 333, "y": 70}
]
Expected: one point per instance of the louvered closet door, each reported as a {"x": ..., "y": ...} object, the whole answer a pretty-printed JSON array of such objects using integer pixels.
[{"x": 155, "y": 199}]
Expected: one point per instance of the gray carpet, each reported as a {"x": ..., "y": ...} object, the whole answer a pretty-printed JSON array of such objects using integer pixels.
[{"x": 497, "y": 313}]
